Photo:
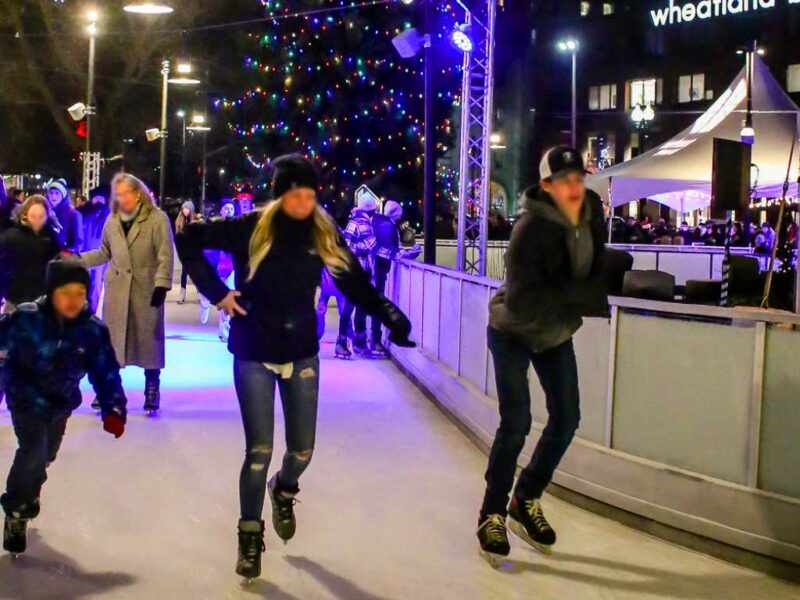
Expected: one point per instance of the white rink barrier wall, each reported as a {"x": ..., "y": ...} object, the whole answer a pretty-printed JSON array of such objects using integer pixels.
[
  {"x": 690, "y": 414},
  {"x": 684, "y": 262}
]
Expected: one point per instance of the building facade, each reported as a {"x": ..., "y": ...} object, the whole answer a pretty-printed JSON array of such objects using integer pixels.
[{"x": 673, "y": 56}]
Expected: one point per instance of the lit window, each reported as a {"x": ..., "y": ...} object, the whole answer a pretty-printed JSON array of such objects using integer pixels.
[
  {"x": 586, "y": 8},
  {"x": 594, "y": 97},
  {"x": 645, "y": 91},
  {"x": 603, "y": 97},
  {"x": 691, "y": 88},
  {"x": 608, "y": 8},
  {"x": 793, "y": 78}
]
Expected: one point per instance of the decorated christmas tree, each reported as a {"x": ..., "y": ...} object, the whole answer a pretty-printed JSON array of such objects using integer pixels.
[{"x": 324, "y": 80}]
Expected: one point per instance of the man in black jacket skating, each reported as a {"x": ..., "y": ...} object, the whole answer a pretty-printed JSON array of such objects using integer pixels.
[{"x": 553, "y": 278}]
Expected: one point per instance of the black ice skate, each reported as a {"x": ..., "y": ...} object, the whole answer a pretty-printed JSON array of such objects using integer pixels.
[
  {"x": 152, "y": 397},
  {"x": 493, "y": 538},
  {"x": 14, "y": 535},
  {"x": 377, "y": 349},
  {"x": 343, "y": 347},
  {"x": 96, "y": 403},
  {"x": 526, "y": 520},
  {"x": 283, "y": 519},
  {"x": 251, "y": 546},
  {"x": 360, "y": 345}
]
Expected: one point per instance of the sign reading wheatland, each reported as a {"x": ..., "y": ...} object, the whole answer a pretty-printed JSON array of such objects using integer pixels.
[{"x": 687, "y": 12}]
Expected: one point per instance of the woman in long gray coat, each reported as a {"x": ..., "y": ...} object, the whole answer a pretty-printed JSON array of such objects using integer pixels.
[{"x": 137, "y": 244}]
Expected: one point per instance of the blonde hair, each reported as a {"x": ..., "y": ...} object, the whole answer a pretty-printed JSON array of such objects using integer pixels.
[
  {"x": 325, "y": 234},
  {"x": 139, "y": 186},
  {"x": 30, "y": 201}
]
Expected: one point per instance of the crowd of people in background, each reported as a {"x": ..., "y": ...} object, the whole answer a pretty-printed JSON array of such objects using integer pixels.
[{"x": 711, "y": 233}]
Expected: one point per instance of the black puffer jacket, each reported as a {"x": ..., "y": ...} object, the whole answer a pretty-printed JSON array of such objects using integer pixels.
[
  {"x": 24, "y": 255},
  {"x": 554, "y": 273},
  {"x": 281, "y": 324}
]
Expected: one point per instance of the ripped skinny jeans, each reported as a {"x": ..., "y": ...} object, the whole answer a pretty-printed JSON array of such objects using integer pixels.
[{"x": 255, "y": 388}]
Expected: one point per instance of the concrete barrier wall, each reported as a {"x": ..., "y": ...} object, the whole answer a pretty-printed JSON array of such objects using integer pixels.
[{"x": 690, "y": 415}]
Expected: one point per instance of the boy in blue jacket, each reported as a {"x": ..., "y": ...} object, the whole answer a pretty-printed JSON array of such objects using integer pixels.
[{"x": 46, "y": 348}]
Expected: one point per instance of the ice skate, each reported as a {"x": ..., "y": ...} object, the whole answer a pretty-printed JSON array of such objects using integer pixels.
[
  {"x": 152, "y": 397},
  {"x": 377, "y": 349},
  {"x": 343, "y": 347},
  {"x": 96, "y": 403},
  {"x": 526, "y": 520},
  {"x": 205, "y": 312},
  {"x": 283, "y": 519},
  {"x": 251, "y": 546},
  {"x": 182, "y": 296},
  {"x": 15, "y": 535},
  {"x": 360, "y": 345},
  {"x": 493, "y": 537}
]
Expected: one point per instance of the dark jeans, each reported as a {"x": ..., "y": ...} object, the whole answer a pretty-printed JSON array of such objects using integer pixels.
[
  {"x": 381, "y": 275},
  {"x": 184, "y": 278},
  {"x": 558, "y": 375},
  {"x": 38, "y": 443},
  {"x": 328, "y": 290},
  {"x": 255, "y": 387},
  {"x": 355, "y": 313}
]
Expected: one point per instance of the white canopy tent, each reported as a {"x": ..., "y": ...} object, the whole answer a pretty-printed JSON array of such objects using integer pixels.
[{"x": 678, "y": 173}]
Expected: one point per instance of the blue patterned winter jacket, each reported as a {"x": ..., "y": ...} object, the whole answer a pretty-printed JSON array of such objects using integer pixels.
[{"x": 43, "y": 361}]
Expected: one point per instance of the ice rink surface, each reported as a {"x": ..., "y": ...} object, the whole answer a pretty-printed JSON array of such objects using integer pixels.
[{"x": 388, "y": 506}]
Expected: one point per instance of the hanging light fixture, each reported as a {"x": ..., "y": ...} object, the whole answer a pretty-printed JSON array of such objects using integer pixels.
[{"x": 148, "y": 8}]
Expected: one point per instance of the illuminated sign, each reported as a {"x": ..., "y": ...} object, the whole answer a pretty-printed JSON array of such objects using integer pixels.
[{"x": 700, "y": 10}]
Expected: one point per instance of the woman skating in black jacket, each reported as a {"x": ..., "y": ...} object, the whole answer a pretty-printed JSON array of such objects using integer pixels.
[
  {"x": 278, "y": 256},
  {"x": 25, "y": 250}
]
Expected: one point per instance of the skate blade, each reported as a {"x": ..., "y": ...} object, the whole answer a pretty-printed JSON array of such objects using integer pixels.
[
  {"x": 495, "y": 561},
  {"x": 247, "y": 581},
  {"x": 518, "y": 530},
  {"x": 152, "y": 413}
]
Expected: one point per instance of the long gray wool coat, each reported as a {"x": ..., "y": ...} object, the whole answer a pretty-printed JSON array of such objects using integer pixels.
[{"x": 138, "y": 264}]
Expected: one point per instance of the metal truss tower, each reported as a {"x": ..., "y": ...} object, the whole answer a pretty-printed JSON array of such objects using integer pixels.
[{"x": 477, "y": 111}]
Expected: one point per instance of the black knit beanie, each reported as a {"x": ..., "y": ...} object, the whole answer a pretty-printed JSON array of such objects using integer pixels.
[
  {"x": 292, "y": 171},
  {"x": 64, "y": 272}
]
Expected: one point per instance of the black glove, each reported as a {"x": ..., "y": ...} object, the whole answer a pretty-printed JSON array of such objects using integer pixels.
[
  {"x": 399, "y": 326},
  {"x": 159, "y": 297}
]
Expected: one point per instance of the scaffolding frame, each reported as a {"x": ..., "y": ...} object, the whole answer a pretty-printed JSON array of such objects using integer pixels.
[
  {"x": 91, "y": 171},
  {"x": 475, "y": 159}
]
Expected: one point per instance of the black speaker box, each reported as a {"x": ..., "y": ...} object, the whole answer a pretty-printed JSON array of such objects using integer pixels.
[{"x": 730, "y": 184}]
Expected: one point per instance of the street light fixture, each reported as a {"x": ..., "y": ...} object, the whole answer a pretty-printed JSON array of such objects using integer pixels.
[
  {"x": 184, "y": 69},
  {"x": 148, "y": 8},
  {"x": 643, "y": 117},
  {"x": 572, "y": 46},
  {"x": 496, "y": 142}
]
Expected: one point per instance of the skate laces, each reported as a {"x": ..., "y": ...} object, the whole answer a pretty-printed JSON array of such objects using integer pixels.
[
  {"x": 252, "y": 542},
  {"x": 495, "y": 527},
  {"x": 16, "y": 527},
  {"x": 285, "y": 507},
  {"x": 534, "y": 509}
]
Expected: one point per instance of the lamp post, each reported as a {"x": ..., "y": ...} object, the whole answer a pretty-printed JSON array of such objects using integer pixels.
[
  {"x": 90, "y": 107},
  {"x": 572, "y": 46},
  {"x": 748, "y": 134},
  {"x": 642, "y": 119},
  {"x": 200, "y": 124},
  {"x": 162, "y": 169},
  {"x": 181, "y": 114}
]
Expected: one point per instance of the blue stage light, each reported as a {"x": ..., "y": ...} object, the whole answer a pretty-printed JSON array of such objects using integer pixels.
[{"x": 461, "y": 39}]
